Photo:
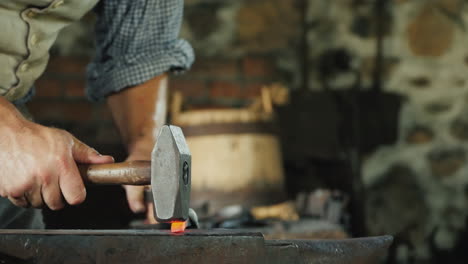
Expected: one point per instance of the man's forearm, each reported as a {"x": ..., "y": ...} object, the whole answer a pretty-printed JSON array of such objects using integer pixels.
[{"x": 138, "y": 113}]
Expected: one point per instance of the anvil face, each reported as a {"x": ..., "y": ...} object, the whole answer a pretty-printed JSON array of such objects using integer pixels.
[
  {"x": 193, "y": 246},
  {"x": 171, "y": 175}
]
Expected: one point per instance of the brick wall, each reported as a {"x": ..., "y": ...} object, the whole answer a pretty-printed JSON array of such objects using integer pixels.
[
  {"x": 60, "y": 101},
  {"x": 233, "y": 61},
  {"x": 225, "y": 80},
  {"x": 60, "y": 98}
]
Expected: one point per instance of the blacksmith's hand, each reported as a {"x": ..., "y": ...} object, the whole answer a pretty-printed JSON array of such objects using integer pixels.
[{"x": 38, "y": 163}]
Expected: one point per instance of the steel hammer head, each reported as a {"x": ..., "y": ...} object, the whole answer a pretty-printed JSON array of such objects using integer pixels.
[{"x": 171, "y": 175}]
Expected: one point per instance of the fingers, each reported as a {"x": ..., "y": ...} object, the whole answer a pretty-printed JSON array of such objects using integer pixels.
[
  {"x": 34, "y": 197},
  {"x": 41, "y": 168},
  {"x": 136, "y": 198},
  {"x": 52, "y": 196},
  {"x": 50, "y": 193},
  {"x": 28, "y": 197},
  {"x": 71, "y": 184},
  {"x": 53, "y": 179},
  {"x": 84, "y": 154},
  {"x": 19, "y": 201}
]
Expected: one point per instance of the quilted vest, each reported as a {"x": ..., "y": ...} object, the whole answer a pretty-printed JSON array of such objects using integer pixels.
[{"x": 28, "y": 28}]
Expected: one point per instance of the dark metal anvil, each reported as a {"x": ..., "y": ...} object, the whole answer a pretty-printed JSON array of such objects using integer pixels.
[{"x": 192, "y": 246}]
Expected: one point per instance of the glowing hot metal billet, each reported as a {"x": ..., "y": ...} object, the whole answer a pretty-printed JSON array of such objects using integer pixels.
[{"x": 178, "y": 227}]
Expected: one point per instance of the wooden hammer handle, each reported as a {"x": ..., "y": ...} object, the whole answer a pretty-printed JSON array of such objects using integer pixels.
[{"x": 125, "y": 173}]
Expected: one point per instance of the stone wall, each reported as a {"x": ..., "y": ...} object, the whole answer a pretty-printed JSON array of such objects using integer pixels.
[{"x": 417, "y": 187}]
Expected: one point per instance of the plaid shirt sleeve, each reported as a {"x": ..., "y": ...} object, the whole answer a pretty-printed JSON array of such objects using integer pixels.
[{"x": 136, "y": 41}]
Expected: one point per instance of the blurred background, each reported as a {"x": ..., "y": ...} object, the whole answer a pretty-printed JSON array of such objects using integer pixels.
[{"x": 359, "y": 107}]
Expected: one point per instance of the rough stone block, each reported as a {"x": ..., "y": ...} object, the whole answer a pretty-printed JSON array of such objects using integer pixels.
[
  {"x": 430, "y": 33},
  {"x": 267, "y": 25},
  {"x": 419, "y": 135},
  {"x": 446, "y": 162}
]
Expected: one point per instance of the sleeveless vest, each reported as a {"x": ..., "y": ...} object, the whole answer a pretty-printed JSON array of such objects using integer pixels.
[{"x": 28, "y": 28}]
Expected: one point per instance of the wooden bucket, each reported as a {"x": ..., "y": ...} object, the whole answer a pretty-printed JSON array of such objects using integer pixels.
[{"x": 236, "y": 157}]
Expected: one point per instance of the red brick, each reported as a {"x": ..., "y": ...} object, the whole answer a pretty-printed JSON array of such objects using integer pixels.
[
  {"x": 252, "y": 90},
  {"x": 75, "y": 88},
  {"x": 227, "y": 68},
  {"x": 257, "y": 67},
  {"x": 225, "y": 89},
  {"x": 191, "y": 88},
  {"x": 61, "y": 111},
  {"x": 47, "y": 87},
  {"x": 68, "y": 65}
]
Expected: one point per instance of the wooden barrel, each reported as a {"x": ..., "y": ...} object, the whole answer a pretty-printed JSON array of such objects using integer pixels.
[{"x": 236, "y": 157}]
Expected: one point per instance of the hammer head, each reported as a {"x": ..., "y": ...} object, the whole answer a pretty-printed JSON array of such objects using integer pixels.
[{"x": 171, "y": 175}]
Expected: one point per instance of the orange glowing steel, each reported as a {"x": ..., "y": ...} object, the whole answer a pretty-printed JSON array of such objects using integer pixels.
[{"x": 177, "y": 227}]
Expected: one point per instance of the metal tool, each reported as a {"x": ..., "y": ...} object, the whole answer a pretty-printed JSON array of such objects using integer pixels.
[
  {"x": 193, "y": 246},
  {"x": 168, "y": 172}
]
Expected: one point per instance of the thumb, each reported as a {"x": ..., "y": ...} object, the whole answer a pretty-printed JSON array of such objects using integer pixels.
[
  {"x": 136, "y": 198},
  {"x": 84, "y": 154}
]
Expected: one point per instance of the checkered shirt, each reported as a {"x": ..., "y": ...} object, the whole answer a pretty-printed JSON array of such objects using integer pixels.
[{"x": 136, "y": 40}]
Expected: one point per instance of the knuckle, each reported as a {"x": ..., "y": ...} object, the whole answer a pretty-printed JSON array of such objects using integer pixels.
[
  {"x": 60, "y": 132},
  {"x": 44, "y": 177},
  {"x": 14, "y": 193},
  {"x": 19, "y": 189},
  {"x": 18, "y": 202},
  {"x": 63, "y": 136},
  {"x": 67, "y": 137},
  {"x": 62, "y": 162}
]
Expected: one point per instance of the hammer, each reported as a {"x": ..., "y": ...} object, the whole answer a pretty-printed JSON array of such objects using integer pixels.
[{"x": 168, "y": 173}]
